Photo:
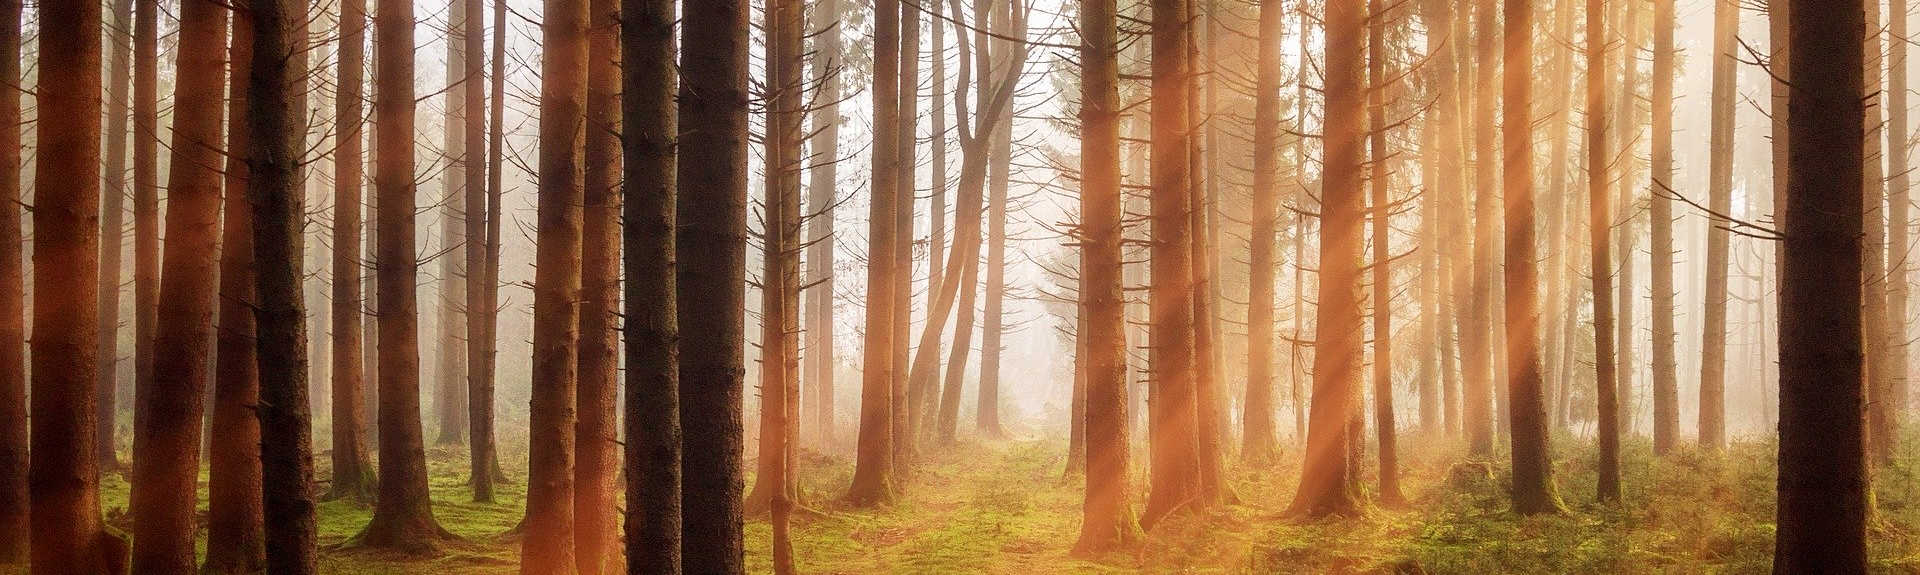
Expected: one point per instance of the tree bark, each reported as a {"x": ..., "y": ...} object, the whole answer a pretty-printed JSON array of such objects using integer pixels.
[
  {"x": 484, "y": 461},
  {"x": 112, "y": 216},
  {"x": 146, "y": 193},
  {"x": 1899, "y": 220},
  {"x": 1599, "y": 209},
  {"x": 1713, "y": 346},
  {"x": 903, "y": 215},
  {"x": 352, "y": 468},
  {"x": 1000, "y": 168},
  {"x": 653, "y": 440},
  {"x": 276, "y": 102},
  {"x": 450, "y": 378},
  {"x": 402, "y": 513},
  {"x": 1259, "y": 446},
  {"x": 168, "y": 439},
  {"x": 1107, "y": 520},
  {"x": 712, "y": 285},
  {"x": 873, "y": 464},
  {"x": 824, "y": 174},
  {"x": 1822, "y": 501},
  {"x": 235, "y": 535},
  {"x": 1381, "y": 284},
  {"x": 597, "y": 431},
  {"x": 1477, "y": 334},
  {"x": 1666, "y": 387},
  {"x": 1172, "y": 420},
  {"x": 1326, "y": 486},
  {"x": 15, "y": 522}
]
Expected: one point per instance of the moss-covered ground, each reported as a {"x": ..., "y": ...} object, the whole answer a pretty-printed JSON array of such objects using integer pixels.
[{"x": 1005, "y": 507}]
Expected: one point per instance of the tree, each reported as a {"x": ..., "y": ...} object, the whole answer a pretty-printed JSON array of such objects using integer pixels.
[
  {"x": 1600, "y": 207},
  {"x": 352, "y": 469},
  {"x": 1874, "y": 319},
  {"x": 653, "y": 440},
  {"x": 1259, "y": 445},
  {"x": 711, "y": 264},
  {"x": 1477, "y": 334},
  {"x": 999, "y": 163},
  {"x": 112, "y": 214},
  {"x": 1171, "y": 425},
  {"x": 234, "y": 530},
  {"x": 1899, "y": 208},
  {"x": 1382, "y": 223},
  {"x": 906, "y": 122},
  {"x": 779, "y": 291},
  {"x": 450, "y": 385},
  {"x": 1822, "y": 502},
  {"x": 564, "y": 56},
  {"x": 484, "y": 461},
  {"x": 1713, "y": 346},
  {"x": 819, "y": 359},
  {"x": 274, "y": 110},
  {"x": 873, "y": 464},
  {"x": 1666, "y": 387},
  {"x": 14, "y": 492},
  {"x": 146, "y": 192},
  {"x": 1202, "y": 188},
  {"x": 1326, "y": 485},
  {"x": 596, "y": 432},
  {"x": 166, "y": 443},
  {"x": 1107, "y": 520},
  {"x": 402, "y": 512}
]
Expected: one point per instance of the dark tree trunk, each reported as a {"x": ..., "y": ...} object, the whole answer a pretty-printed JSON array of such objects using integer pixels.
[
  {"x": 597, "y": 432},
  {"x": 711, "y": 261},
  {"x": 1326, "y": 487},
  {"x": 1823, "y": 500},
  {"x": 1533, "y": 490},
  {"x": 112, "y": 216},
  {"x": 653, "y": 444},
  {"x": 549, "y": 542},
  {"x": 167, "y": 441},
  {"x": 402, "y": 513},
  {"x": 352, "y": 469},
  {"x": 146, "y": 192},
  {"x": 64, "y": 483},
  {"x": 276, "y": 103},
  {"x": 1107, "y": 520},
  {"x": 234, "y": 532},
  {"x": 1600, "y": 208},
  {"x": 14, "y": 499},
  {"x": 873, "y": 467}
]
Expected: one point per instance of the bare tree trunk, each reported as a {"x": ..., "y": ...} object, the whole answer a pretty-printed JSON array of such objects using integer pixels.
[
  {"x": 823, "y": 169},
  {"x": 235, "y": 537},
  {"x": 112, "y": 214},
  {"x": 924, "y": 389},
  {"x": 146, "y": 193},
  {"x": 778, "y": 283},
  {"x": 1172, "y": 425},
  {"x": 1823, "y": 501},
  {"x": 1326, "y": 486},
  {"x": 402, "y": 512},
  {"x": 276, "y": 102},
  {"x": 1533, "y": 490},
  {"x": 873, "y": 469},
  {"x": 64, "y": 482},
  {"x": 168, "y": 440},
  {"x": 352, "y": 468},
  {"x": 1381, "y": 216},
  {"x": 904, "y": 161},
  {"x": 15, "y": 523},
  {"x": 1107, "y": 520},
  {"x": 1560, "y": 201},
  {"x": 1477, "y": 334},
  {"x": 1666, "y": 386},
  {"x": 450, "y": 379},
  {"x": 1259, "y": 445},
  {"x": 1209, "y": 487},
  {"x": 653, "y": 441},
  {"x": 1875, "y": 321},
  {"x": 1600, "y": 207},
  {"x": 484, "y": 462},
  {"x": 596, "y": 432},
  {"x": 711, "y": 263},
  {"x": 1713, "y": 346},
  {"x": 1899, "y": 210},
  {"x": 1000, "y": 166}
]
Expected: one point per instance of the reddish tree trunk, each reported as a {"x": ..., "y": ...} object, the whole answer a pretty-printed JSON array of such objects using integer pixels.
[
  {"x": 653, "y": 442},
  {"x": 1171, "y": 424},
  {"x": 873, "y": 464},
  {"x": 112, "y": 214},
  {"x": 597, "y": 432},
  {"x": 14, "y": 499},
  {"x": 352, "y": 469}
]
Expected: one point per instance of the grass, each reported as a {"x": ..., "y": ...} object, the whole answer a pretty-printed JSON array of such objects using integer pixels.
[{"x": 1005, "y": 508}]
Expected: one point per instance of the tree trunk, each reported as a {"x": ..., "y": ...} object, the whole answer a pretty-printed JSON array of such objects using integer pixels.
[
  {"x": 484, "y": 461},
  {"x": 1875, "y": 320},
  {"x": 1823, "y": 501},
  {"x": 276, "y": 102},
  {"x": 402, "y": 512},
  {"x": 64, "y": 482},
  {"x": 1381, "y": 217},
  {"x": 1713, "y": 346},
  {"x": 168, "y": 440},
  {"x": 653, "y": 439},
  {"x": 1599, "y": 212},
  {"x": 821, "y": 191},
  {"x": 1107, "y": 520},
  {"x": 450, "y": 378},
  {"x": 778, "y": 283},
  {"x": 905, "y": 194},
  {"x": 146, "y": 193},
  {"x": 1326, "y": 486},
  {"x": 1259, "y": 447},
  {"x": 1533, "y": 490},
  {"x": 14, "y": 457},
  {"x": 1210, "y": 488},
  {"x": 1172, "y": 426},
  {"x": 1625, "y": 122},
  {"x": 548, "y": 547},
  {"x": 235, "y": 541},
  {"x": 597, "y": 432},
  {"x": 711, "y": 263},
  {"x": 924, "y": 389},
  {"x": 352, "y": 468},
  {"x": 1892, "y": 392},
  {"x": 1666, "y": 387},
  {"x": 873, "y": 467},
  {"x": 1477, "y": 334},
  {"x": 112, "y": 214},
  {"x": 1000, "y": 168}
]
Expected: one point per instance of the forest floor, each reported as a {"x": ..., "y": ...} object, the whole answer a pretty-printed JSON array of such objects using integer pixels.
[{"x": 1004, "y": 507}]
